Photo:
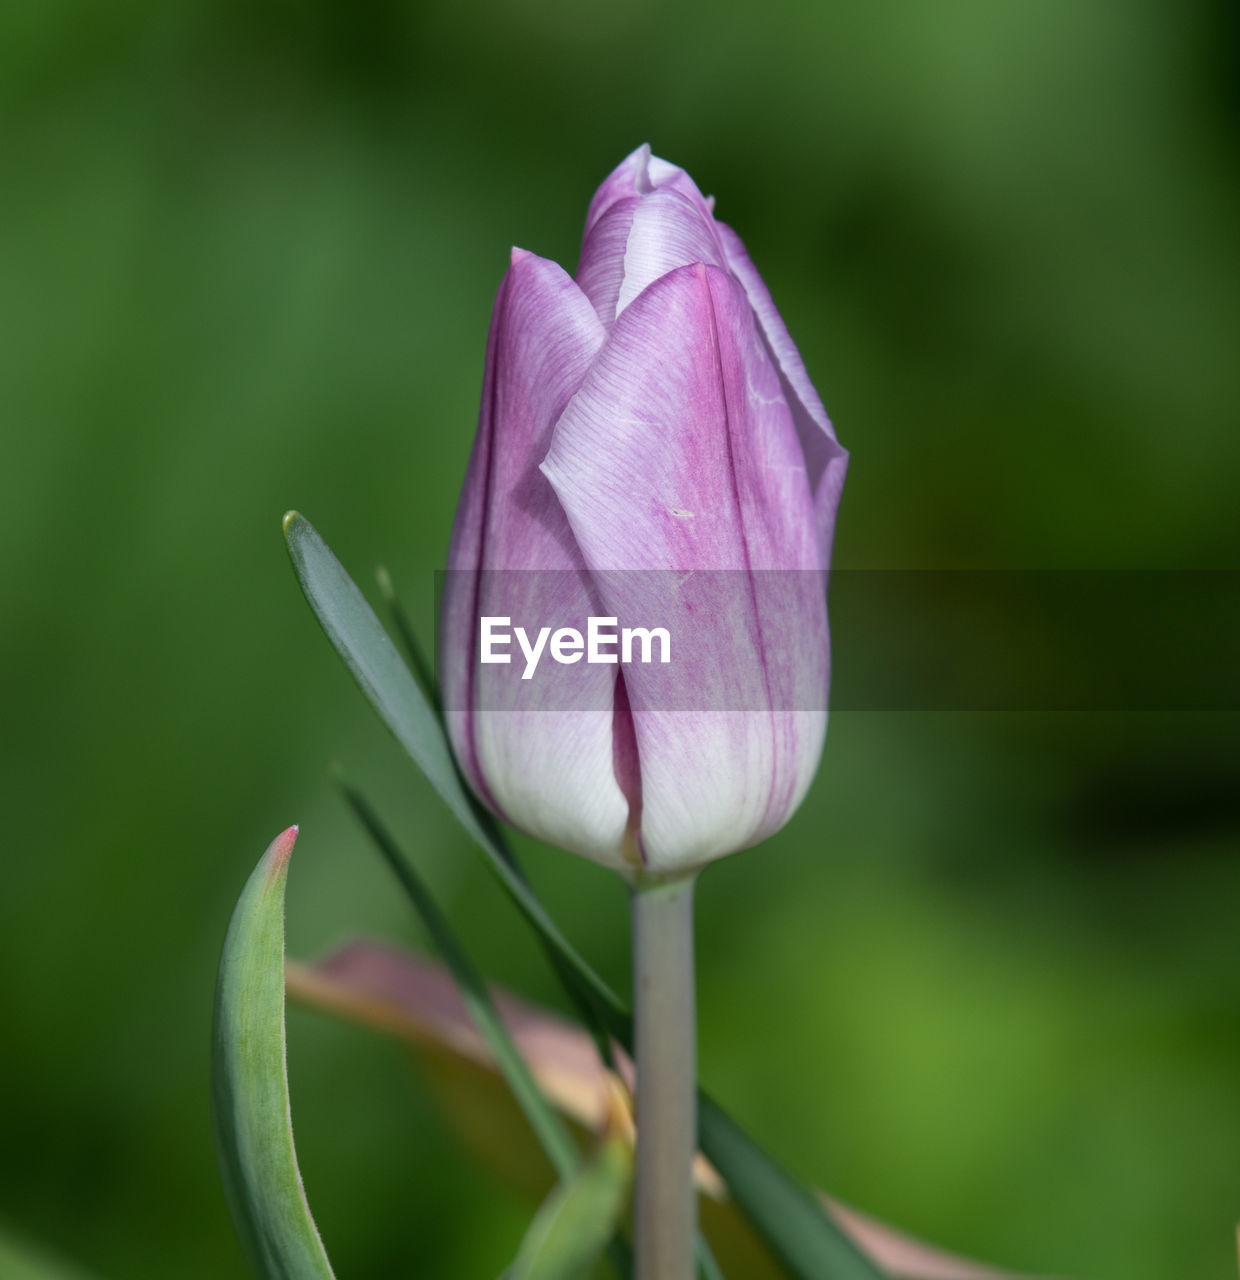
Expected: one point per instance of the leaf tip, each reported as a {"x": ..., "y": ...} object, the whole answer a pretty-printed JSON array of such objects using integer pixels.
[
  {"x": 281, "y": 849},
  {"x": 289, "y": 517}
]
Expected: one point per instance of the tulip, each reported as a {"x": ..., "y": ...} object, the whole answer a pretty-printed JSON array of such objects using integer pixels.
[
  {"x": 649, "y": 419},
  {"x": 650, "y": 454}
]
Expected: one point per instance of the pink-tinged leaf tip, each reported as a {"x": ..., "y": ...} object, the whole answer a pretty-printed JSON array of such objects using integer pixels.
[{"x": 281, "y": 848}]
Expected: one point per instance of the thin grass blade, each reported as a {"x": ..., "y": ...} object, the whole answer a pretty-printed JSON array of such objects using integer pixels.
[
  {"x": 421, "y": 667},
  {"x": 793, "y": 1223},
  {"x": 550, "y": 1129}
]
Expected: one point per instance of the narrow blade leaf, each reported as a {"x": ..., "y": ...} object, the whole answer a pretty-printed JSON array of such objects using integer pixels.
[
  {"x": 796, "y": 1227},
  {"x": 421, "y": 668},
  {"x": 544, "y": 1119},
  {"x": 359, "y": 638},
  {"x": 372, "y": 659},
  {"x": 793, "y": 1223},
  {"x": 253, "y": 1125}
]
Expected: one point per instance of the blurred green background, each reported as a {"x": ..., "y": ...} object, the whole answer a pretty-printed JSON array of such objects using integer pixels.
[{"x": 986, "y": 984}]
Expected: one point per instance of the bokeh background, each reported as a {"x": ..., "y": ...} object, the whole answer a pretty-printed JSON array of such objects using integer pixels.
[{"x": 986, "y": 984}]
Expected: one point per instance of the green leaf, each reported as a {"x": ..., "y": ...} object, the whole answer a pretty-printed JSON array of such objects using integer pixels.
[
  {"x": 550, "y": 1129},
  {"x": 812, "y": 1246},
  {"x": 579, "y": 1217},
  {"x": 792, "y": 1221},
  {"x": 358, "y": 636},
  {"x": 799, "y": 1231},
  {"x": 253, "y": 1125},
  {"x": 421, "y": 668}
]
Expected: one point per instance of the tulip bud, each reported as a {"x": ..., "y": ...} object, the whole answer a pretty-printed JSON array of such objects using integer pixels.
[{"x": 650, "y": 453}]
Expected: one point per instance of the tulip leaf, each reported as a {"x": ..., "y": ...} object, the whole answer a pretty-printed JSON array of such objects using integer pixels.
[
  {"x": 421, "y": 668},
  {"x": 810, "y": 1244},
  {"x": 796, "y": 1227},
  {"x": 805, "y": 1238},
  {"x": 359, "y": 638},
  {"x": 794, "y": 1224},
  {"x": 574, "y": 1224},
  {"x": 250, "y": 1102}
]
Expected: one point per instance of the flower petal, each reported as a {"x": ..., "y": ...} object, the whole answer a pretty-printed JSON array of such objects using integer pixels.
[
  {"x": 679, "y": 457},
  {"x": 826, "y": 459},
  {"x": 637, "y": 174},
  {"x": 513, "y": 555}
]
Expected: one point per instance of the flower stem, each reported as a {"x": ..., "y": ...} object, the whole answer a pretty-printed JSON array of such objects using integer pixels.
[{"x": 666, "y": 1202}]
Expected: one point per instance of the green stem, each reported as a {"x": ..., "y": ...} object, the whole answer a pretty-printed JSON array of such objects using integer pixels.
[{"x": 666, "y": 1202}]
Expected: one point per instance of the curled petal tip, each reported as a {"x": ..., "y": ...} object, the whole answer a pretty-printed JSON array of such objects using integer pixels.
[{"x": 518, "y": 255}]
